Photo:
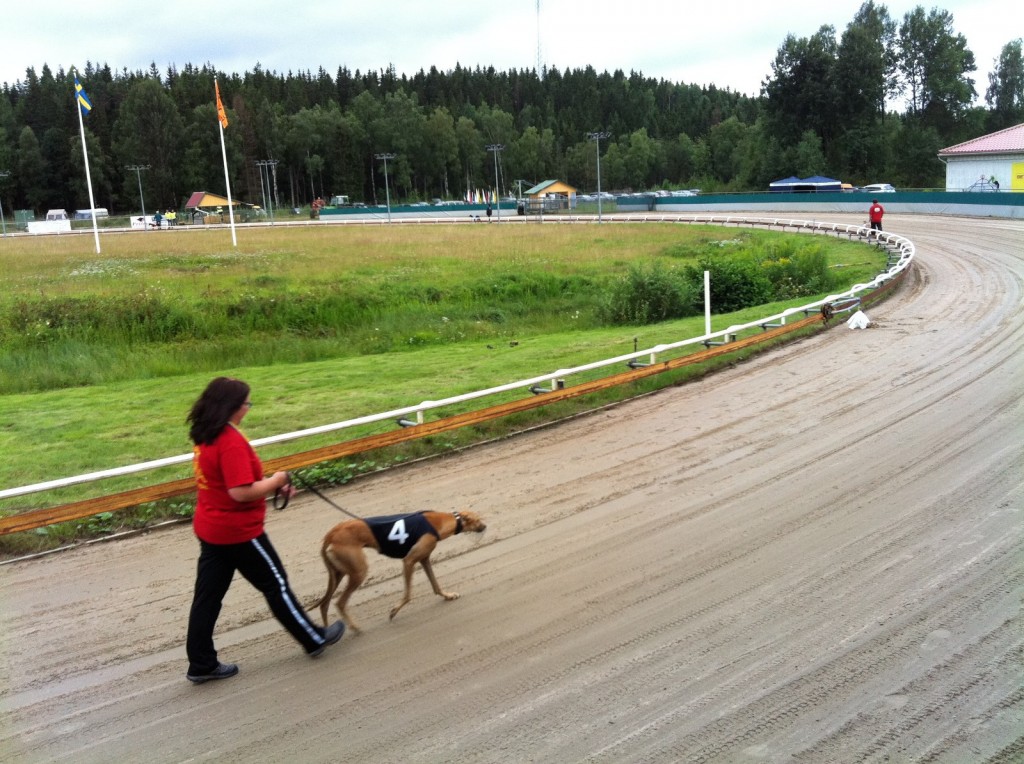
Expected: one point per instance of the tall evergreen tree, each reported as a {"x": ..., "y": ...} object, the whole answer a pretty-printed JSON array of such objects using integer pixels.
[
  {"x": 934, "y": 65},
  {"x": 440, "y": 170},
  {"x": 100, "y": 173},
  {"x": 150, "y": 131},
  {"x": 801, "y": 93},
  {"x": 865, "y": 78},
  {"x": 1005, "y": 93},
  {"x": 31, "y": 170}
]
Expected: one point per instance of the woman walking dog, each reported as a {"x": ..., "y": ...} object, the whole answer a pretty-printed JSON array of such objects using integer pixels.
[{"x": 230, "y": 509}]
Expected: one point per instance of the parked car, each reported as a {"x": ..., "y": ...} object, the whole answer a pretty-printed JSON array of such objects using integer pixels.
[{"x": 878, "y": 188}]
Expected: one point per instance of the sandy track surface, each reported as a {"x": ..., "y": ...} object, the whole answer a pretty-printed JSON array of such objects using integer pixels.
[{"x": 814, "y": 556}]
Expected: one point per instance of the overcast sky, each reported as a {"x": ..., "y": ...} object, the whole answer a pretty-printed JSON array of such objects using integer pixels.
[{"x": 729, "y": 44}]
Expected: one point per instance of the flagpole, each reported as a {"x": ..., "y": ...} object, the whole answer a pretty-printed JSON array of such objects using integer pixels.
[
  {"x": 222, "y": 122},
  {"x": 88, "y": 177},
  {"x": 227, "y": 182}
]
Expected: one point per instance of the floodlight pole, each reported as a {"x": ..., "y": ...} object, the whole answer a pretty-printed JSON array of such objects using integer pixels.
[
  {"x": 263, "y": 188},
  {"x": 596, "y": 137},
  {"x": 271, "y": 165},
  {"x": 3, "y": 220},
  {"x": 496, "y": 148},
  {"x": 138, "y": 168},
  {"x": 387, "y": 192}
]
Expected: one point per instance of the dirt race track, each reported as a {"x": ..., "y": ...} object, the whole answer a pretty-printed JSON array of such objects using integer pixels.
[{"x": 814, "y": 556}]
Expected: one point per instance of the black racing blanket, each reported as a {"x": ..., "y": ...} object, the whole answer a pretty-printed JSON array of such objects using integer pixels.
[{"x": 396, "y": 534}]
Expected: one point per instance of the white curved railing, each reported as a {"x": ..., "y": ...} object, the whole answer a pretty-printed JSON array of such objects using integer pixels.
[{"x": 901, "y": 250}]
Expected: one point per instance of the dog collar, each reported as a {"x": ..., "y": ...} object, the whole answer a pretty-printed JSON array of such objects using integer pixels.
[{"x": 458, "y": 522}]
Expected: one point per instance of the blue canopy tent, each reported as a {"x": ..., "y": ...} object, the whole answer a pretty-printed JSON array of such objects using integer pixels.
[
  {"x": 786, "y": 184},
  {"x": 821, "y": 183},
  {"x": 812, "y": 184}
]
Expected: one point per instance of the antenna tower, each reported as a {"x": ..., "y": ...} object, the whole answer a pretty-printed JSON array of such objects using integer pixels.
[{"x": 540, "y": 74}]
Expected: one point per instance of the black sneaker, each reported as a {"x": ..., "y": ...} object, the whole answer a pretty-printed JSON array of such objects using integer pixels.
[
  {"x": 223, "y": 671},
  {"x": 331, "y": 635}
]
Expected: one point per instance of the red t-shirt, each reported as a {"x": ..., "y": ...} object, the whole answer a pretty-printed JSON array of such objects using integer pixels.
[
  {"x": 228, "y": 462},
  {"x": 875, "y": 213}
]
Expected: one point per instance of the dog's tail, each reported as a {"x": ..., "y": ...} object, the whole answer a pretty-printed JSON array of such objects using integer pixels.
[{"x": 333, "y": 579}]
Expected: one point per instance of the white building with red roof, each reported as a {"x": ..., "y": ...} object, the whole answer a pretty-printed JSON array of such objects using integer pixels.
[{"x": 991, "y": 162}]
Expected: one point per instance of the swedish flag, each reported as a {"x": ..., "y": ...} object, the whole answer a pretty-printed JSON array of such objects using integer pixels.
[{"x": 83, "y": 100}]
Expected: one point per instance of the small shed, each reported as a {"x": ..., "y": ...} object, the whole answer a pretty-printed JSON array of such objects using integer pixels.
[
  {"x": 550, "y": 195},
  {"x": 989, "y": 162}
]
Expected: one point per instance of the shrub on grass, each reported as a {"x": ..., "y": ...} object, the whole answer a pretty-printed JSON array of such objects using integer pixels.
[
  {"x": 648, "y": 294},
  {"x": 736, "y": 282},
  {"x": 798, "y": 269},
  {"x": 146, "y": 317}
]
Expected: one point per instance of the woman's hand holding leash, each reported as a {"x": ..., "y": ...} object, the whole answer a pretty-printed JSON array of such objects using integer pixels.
[
  {"x": 284, "y": 492},
  {"x": 288, "y": 489}
]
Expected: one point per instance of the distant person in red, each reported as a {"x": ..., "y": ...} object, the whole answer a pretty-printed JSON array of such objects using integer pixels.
[
  {"x": 875, "y": 213},
  {"x": 230, "y": 509}
]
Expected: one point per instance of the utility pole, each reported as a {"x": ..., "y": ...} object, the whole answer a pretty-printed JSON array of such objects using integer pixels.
[
  {"x": 138, "y": 168},
  {"x": 3, "y": 220},
  {"x": 271, "y": 165},
  {"x": 496, "y": 148},
  {"x": 596, "y": 138},
  {"x": 387, "y": 192}
]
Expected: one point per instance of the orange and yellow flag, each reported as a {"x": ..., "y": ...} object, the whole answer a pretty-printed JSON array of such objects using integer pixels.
[{"x": 221, "y": 114}]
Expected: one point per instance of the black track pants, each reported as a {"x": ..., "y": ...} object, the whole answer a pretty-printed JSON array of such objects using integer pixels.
[{"x": 258, "y": 562}]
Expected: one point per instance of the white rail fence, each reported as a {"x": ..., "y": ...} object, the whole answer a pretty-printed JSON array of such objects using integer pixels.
[{"x": 901, "y": 253}]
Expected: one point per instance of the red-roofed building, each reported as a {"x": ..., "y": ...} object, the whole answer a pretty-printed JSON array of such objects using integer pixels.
[
  {"x": 206, "y": 207},
  {"x": 991, "y": 162},
  {"x": 201, "y": 200}
]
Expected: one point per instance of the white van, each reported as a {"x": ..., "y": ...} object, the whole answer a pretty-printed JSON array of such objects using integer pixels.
[{"x": 57, "y": 215}]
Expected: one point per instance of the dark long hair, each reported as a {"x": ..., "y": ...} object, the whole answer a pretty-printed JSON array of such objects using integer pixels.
[{"x": 215, "y": 407}]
